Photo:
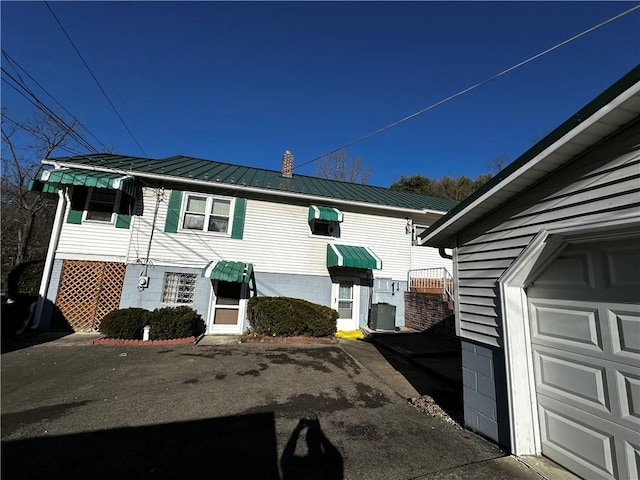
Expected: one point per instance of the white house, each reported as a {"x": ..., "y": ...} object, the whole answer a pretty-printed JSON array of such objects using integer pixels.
[
  {"x": 547, "y": 274},
  {"x": 140, "y": 232}
]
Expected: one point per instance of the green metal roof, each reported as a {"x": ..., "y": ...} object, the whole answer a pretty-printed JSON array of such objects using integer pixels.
[
  {"x": 188, "y": 168},
  {"x": 237, "y": 272},
  {"x": 49, "y": 180},
  {"x": 352, "y": 257}
]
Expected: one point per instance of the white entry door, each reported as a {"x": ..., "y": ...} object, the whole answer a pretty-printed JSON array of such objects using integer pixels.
[
  {"x": 346, "y": 300},
  {"x": 227, "y": 308}
]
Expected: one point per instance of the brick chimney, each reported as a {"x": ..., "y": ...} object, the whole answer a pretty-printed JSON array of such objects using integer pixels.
[{"x": 287, "y": 164}]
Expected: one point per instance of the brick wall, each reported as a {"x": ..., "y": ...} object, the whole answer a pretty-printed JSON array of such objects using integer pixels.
[{"x": 429, "y": 313}]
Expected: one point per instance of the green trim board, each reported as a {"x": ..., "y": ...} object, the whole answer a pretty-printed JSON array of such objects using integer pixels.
[
  {"x": 88, "y": 178},
  {"x": 352, "y": 257},
  {"x": 173, "y": 212},
  {"x": 239, "y": 214},
  {"x": 325, "y": 213},
  {"x": 226, "y": 271}
]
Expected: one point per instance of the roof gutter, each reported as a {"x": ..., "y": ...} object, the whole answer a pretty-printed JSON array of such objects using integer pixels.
[
  {"x": 264, "y": 191},
  {"x": 591, "y": 120}
]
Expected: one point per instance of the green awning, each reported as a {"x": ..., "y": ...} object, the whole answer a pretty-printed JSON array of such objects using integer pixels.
[
  {"x": 325, "y": 213},
  {"x": 39, "y": 186},
  {"x": 238, "y": 272},
  {"x": 87, "y": 178},
  {"x": 352, "y": 256}
]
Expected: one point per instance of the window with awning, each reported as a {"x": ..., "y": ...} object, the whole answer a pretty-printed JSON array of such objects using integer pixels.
[
  {"x": 325, "y": 221},
  {"x": 352, "y": 256}
]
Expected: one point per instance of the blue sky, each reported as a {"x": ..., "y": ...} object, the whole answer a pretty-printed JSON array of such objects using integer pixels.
[{"x": 241, "y": 82}]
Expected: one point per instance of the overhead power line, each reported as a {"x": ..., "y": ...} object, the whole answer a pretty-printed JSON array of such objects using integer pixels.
[
  {"x": 472, "y": 87},
  {"x": 26, "y": 92},
  {"x": 15, "y": 64},
  {"x": 95, "y": 79}
]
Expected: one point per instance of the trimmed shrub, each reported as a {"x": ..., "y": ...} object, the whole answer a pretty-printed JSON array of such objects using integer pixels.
[
  {"x": 284, "y": 316},
  {"x": 174, "y": 322},
  {"x": 126, "y": 323}
]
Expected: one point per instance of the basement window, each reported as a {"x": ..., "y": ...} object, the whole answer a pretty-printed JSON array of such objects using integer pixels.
[{"x": 178, "y": 288}]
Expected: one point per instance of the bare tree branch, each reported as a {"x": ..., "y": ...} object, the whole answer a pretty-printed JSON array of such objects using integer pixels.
[{"x": 339, "y": 166}]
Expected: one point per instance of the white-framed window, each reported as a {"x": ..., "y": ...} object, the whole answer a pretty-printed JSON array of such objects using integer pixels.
[
  {"x": 382, "y": 285},
  {"x": 179, "y": 288},
  {"x": 206, "y": 213},
  {"x": 101, "y": 205}
]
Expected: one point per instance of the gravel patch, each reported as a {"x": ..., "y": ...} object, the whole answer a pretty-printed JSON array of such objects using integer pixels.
[{"x": 428, "y": 405}]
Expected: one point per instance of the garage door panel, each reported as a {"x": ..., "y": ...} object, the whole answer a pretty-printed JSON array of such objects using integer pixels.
[
  {"x": 632, "y": 457},
  {"x": 567, "y": 325},
  {"x": 587, "y": 444},
  {"x": 625, "y": 326},
  {"x": 572, "y": 378},
  {"x": 628, "y": 385},
  {"x": 576, "y": 441},
  {"x": 622, "y": 265},
  {"x": 585, "y": 338}
]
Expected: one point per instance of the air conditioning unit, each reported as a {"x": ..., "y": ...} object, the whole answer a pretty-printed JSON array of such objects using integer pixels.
[{"x": 143, "y": 281}]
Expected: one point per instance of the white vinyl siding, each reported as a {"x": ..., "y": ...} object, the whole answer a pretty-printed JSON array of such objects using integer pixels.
[
  {"x": 97, "y": 241},
  {"x": 277, "y": 240},
  {"x": 602, "y": 183}
]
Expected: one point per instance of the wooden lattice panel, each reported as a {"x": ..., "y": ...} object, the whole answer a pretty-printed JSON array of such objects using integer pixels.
[
  {"x": 88, "y": 291},
  {"x": 110, "y": 291}
]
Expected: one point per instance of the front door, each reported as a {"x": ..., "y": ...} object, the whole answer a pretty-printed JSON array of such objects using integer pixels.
[
  {"x": 346, "y": 300},
  {"x": 228, "y": 302}
]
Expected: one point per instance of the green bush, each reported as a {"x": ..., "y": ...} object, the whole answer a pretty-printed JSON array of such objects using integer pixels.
[
  {"x": 174, "y": 322},
  {"x": 284, "y": 316},
  {"x": 166, "y": 323},
  {"x": 126, "y": 323}
]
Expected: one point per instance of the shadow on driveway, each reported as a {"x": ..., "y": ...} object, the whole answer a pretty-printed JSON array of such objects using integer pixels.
[{"x": 234, "y": 447}]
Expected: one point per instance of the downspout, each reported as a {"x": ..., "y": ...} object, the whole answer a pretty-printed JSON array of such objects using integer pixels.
[
  {"x": 51, "y": 253},
  {"x": 444, "y": 254}
]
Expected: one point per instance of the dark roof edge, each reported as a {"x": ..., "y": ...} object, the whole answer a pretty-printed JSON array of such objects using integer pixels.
[{"x": 619, "y": 87}]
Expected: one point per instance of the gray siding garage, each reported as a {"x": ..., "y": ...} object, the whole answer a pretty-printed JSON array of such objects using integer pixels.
[{"x": 547, "y": 273}]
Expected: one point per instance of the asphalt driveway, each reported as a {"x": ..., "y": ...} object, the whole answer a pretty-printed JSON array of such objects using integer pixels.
[{"x": 243, "y": 411}]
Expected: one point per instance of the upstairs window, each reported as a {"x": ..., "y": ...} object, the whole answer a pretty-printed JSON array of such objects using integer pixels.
[
  {"x": 325, "y": 221},
  {"x": 325, "y": 228},
  {"x": 101, "y": 205},
  {"x": 206, "y": 214}
]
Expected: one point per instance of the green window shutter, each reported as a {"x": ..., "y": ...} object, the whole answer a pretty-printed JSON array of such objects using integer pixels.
[
  {"x": 173, "y": 212},
  {"x": 239, "y": 212},
  {"x": 74, "y": 216},
  {"x": 78, "y": 201},
  {"x": 123, "y": 221}
]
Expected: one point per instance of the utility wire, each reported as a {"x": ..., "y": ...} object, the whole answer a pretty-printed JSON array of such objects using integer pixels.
[
  {"x": 95, "y": 79},
  {"x": 46, "y": 110},
  {"x": 473, "y": 87},
  {"x": 40, "y": 137},
  {"x": 16, "y": 64}
]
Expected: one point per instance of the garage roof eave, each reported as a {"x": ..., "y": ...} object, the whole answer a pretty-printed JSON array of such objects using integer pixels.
[{"x": 608, "y": 113}]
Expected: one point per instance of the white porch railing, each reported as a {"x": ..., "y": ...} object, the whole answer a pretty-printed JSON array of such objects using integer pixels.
[{"x": 431, "y": 280}]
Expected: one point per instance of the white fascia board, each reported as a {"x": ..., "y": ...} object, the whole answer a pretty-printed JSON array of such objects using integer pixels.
[
  {"x": 592, "y": 120},
  {"x": 244, "y": 188}
]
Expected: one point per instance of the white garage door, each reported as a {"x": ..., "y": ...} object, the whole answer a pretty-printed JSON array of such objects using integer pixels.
[{"x": 585, "y": 334}]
